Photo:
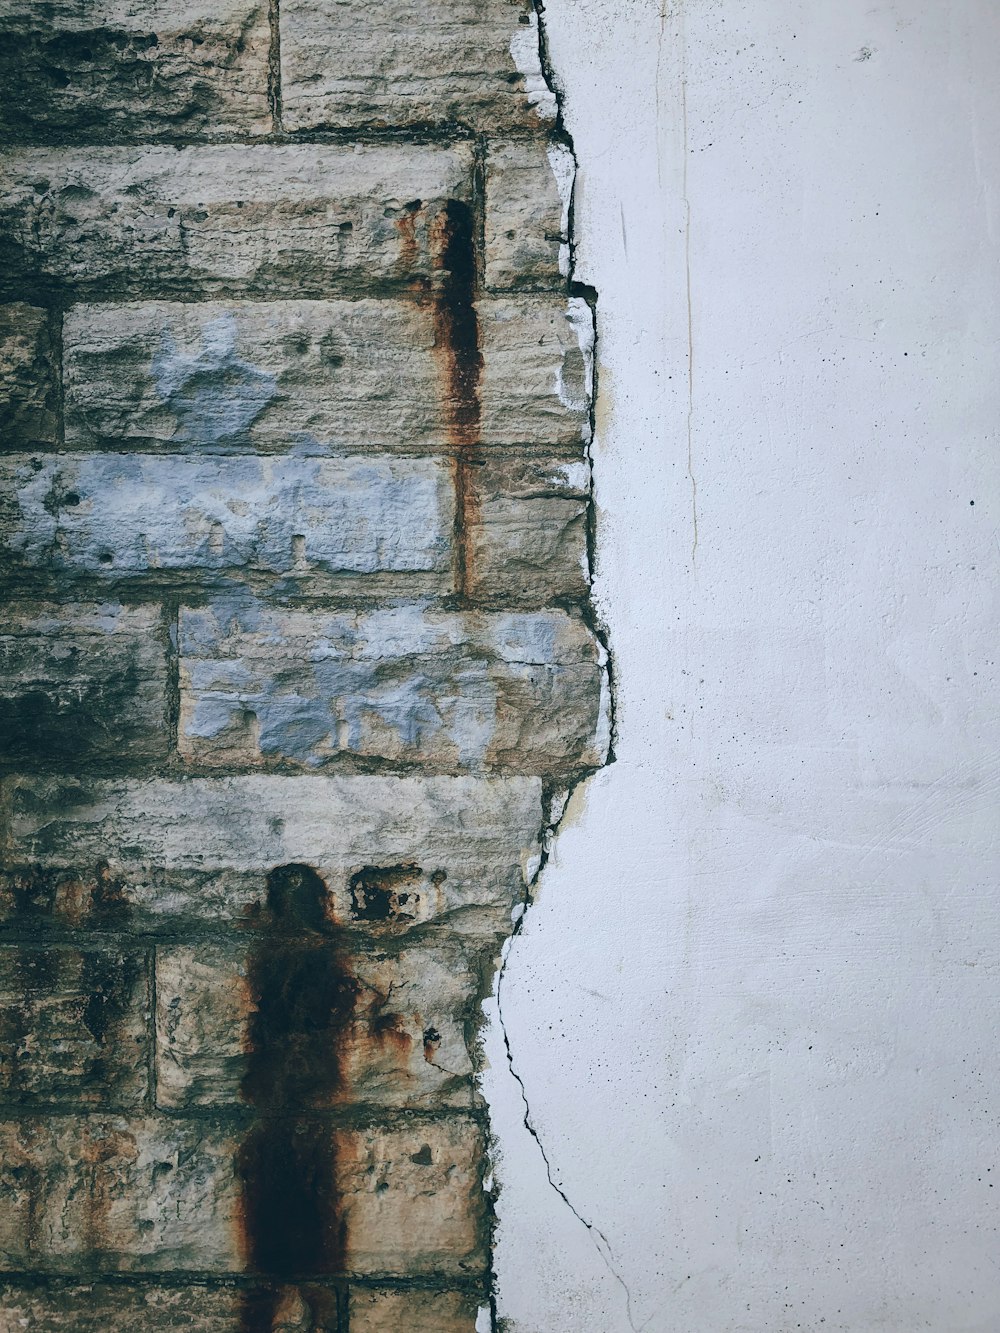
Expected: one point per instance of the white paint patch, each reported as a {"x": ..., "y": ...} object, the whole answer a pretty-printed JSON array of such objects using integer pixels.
[
  {"x": 564, "y": 170},
  {"x": 525, "y": 51}
]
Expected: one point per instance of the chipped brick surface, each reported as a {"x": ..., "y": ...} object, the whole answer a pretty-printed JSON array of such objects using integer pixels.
[
  {"x": 299, "y": 661},
  {"x": 134, "y": 69}
]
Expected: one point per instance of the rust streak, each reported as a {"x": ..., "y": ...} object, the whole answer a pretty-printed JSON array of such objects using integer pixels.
[
  {"x": 459, "y": 352},
  {"x": 305, "y": 993}
]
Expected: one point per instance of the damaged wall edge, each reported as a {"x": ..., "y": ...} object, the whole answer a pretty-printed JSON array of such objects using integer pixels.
[{"x": 565, "y": 168}]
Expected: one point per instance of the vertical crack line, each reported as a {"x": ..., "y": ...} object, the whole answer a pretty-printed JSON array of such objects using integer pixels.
[
  {"x": 601, "y": 1242},
  {"x": 274, "y": 67},
  {"x": 690, "y": 313}
]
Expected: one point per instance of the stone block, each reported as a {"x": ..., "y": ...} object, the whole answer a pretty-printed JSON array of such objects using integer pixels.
[
  {"x": 314, "y": 1020},
  {"x": 29, "y": 378},
  {"x": 82, "y": 684},
  {"x": 118, "y": 516},
  {"x": 479, "y": 692},
  {"x": 133, "y": 1194},
  {"x": 395, "y": 853},
  {"x": 544, "y": 347},
  {"x": 133, "y": 69},
  {"x": 73, "y": 1026},
  {"x": 167, "y": 1195},
  {"x": 411, "y": 63},
  {"x": 56, "y": 1306},
  {"x": 385, "y": 1311},
  {"x": 314, "y": 376},
  {"x": 526, "y": 538},
  {"x": 412, "y": 1197},
  {"x": 529, "y": 188},
  {"x": 272, "y": 220}
]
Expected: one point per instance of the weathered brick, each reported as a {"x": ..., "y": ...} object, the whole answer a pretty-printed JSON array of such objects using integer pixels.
[
  {"x": 379, "y": 1028},
  {"x": 292, "y": 220},
  {"x": 529, "y": 186},
  {"x": 136, "y": 1194},
  {"x": 395, "y": 853},
  {"x": 133, "y": 69},
  {"x": 382, "y": 1311},
  {"x": 56, "y": 1306},
  {"x": 73, "y": 1026},
  {"x": 413, "y": 1199},
  {"x": 82, "y": 683},
  {"x": 544, "y": 347},
  {"x": 313, "y": 374},
  {"x": 118, "y": 515},
  {"x": 29, "y": 393},
  {"x": 526, "y": 539},
  {"x": 411, "y": 62},
  {"x": 159, "y": 1195},
  {"x": 482, "y": 692}
]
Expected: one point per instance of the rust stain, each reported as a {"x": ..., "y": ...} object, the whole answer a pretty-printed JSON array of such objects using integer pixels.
[
  {"x": 457, "y": 345},
  {"x": 305, "y": 991}
]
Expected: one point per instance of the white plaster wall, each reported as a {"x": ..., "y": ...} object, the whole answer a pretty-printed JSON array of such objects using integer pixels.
[{"x": 755, "y": 1007}]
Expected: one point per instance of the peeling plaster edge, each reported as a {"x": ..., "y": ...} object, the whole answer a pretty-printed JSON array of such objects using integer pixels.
[{"x": 564, "y": 164}]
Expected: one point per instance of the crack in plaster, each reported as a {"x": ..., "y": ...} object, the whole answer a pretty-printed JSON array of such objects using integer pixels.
[{"x": 565, "y": 165}]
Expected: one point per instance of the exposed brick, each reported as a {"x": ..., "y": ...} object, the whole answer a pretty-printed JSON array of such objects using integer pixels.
[
  {"x": 118, "y": 1194},
  {"x": 134, "y": 69},
  {"x": 402, "y": 1042},
  {"x": 413, "y": 1197},
  {"x": 545, "y": 348},
  {"x": 301, "y": 220},
  {"x": 526, "y": 543},
  {"x": 381, "y": 1311},
  {"x": 364, "y": 374},
  {"x": 115, "y": 515},
  {"x": 477, "y": 692},
  {"x": 82, "y": 683},
  {"x": 29, "y": 394},
  {"x": 56, "y": 1306},
  {"x": 396, "y": 853},
  {"x": 528, "y": 189},
  {"x": 161, "y": 1195},
  {"x": 409, "y": 62},
  {"x": 72, "y": 1026}
]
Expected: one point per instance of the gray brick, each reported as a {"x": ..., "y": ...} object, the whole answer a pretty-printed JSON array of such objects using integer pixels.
[
  {"x": 453, "y": 692},
  {"x": 116, "y": 515},
  {"x": 82, "y": 683},
  {"x": 160, "y": 1195},
  {"x": 537, "y": 375},
  {"x": 526, "y": 543},
  {"x": 97, "y": 1307},
  {"x": 399, "y": 1042},
  {"x": 345, "y": 63},
  {"x": 528, "y": 191},
  {"x": 382, "y": 1311},
  {"x": 133, "y": 69},
  {"x": 296, "y": 220},
  {"x": 72, "y": 1026},
  {"x": 396, "y": 854},
  {"x": 29, "y": 393},
  {"x": 313, "y": 374}
]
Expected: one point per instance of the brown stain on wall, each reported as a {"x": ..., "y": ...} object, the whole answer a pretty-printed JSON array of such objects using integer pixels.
[
  {"x": 457, "y": 346},
  {"x": 305, "y": 992}
]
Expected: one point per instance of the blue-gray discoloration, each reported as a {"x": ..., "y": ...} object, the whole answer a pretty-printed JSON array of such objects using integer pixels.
[{"x": 215, "y": 395}]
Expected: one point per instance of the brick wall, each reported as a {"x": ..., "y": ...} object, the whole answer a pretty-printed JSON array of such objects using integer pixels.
[{"x": 298, "y": 661}]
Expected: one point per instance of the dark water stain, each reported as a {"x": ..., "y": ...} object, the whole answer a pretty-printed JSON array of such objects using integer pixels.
[
  {"x": 301, "y": 978},
  {"x": 457, "y": 345},
  {"x": 386, "y": 893}
]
